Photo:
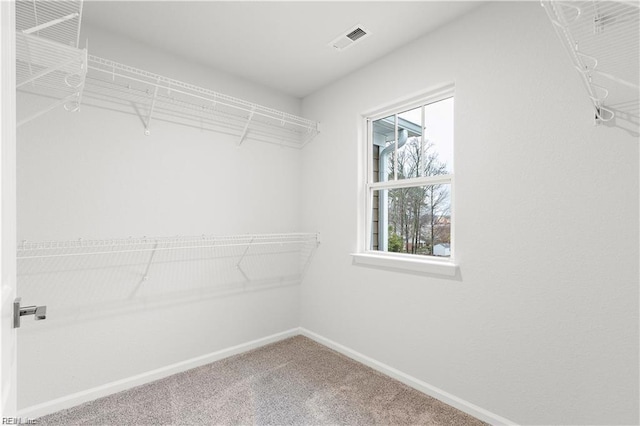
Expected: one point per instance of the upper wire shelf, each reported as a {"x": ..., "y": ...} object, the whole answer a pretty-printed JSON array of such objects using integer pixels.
[
  {"x": 603, "y": 41},
  {"x": 53, "y": 71},
  {"x": 164, "y": 98}
]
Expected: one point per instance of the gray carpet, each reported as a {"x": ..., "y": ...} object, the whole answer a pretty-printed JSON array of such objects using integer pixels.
[{"x": 292, "y": 382}]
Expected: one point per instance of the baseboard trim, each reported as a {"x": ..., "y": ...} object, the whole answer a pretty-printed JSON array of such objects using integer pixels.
[
  {"x": 160, "y": 373},
  {"x": 150, "y": 376},
  {"x": 447, "y": 398}
]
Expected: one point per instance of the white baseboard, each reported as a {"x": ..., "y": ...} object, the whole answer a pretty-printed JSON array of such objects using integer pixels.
[
  {"x": 447, "y": 398},
  {"x": 141, "y": 379},
  {"x": 160, "y": 373}
]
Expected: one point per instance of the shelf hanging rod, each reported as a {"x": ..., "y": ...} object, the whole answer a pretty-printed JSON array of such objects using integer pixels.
[{"x": 50, "y": 23}]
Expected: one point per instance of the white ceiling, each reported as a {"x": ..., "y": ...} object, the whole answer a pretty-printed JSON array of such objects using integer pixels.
[{"x": 283, "y": 45}]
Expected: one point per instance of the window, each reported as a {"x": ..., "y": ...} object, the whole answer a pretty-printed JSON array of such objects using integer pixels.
[{"x": 409, "y": 185}]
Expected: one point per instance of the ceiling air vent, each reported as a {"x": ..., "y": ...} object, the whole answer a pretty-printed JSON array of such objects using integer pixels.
[{"x": 349, "y": 38}]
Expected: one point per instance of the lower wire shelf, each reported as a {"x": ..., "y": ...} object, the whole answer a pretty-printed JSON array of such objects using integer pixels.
[
  {"x": 96, "y": 273},
  {"x": 82, "y": 247}
]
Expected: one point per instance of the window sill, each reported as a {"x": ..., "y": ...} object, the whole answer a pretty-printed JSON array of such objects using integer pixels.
[{"x": 406, "y": 263}]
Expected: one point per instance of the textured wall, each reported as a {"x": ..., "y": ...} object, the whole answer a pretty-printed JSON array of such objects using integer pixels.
[{"x": 542, "y": 325}]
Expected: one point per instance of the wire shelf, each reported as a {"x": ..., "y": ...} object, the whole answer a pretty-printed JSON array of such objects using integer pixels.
[
  {"x": 48, "y": 74},
  {"x": 159, "y": 97},
  {"x": 98, "y": 272},
  {"x": 46, "y": 249},
  {"x": 50, "y": 69},
  {"x": 603, "y": 40}
]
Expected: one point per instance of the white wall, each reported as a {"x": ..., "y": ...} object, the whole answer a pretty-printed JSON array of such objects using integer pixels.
[
  {"x": 121, "y": 49},
  {"x": 94, "y": 174},
  {"x": 541, "y": 325}
]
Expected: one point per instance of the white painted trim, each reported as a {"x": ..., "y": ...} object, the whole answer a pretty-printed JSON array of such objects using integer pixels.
[
  {"x": 8, "y": 342},
  {"x": 424, "y": 97},
  {"x": 411, "y": 182},
  {"x": 150, "y": 376},
  {"x": 160, "y": 373},
  {"x": 410, "y": 263},
  {"x": 447, "y": 398},
  {"x": 365, "y": 207}
]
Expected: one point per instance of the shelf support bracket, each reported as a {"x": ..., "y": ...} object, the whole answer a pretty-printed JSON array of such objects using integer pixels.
[
  {"x": 312, "y": 133},
  {"x": 145, "y": 277},
  {"x": 85, "y": 65},
  {"x": 147, "y": 132},
  {"x": 244, "y": 253},
  {"x": 246, "y": 127}
]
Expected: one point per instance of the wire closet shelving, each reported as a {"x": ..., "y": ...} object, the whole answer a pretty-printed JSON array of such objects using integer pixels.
[
  {"x": 52, "y": 70},
  {"x": 168, "y": 264},
  {"x": 176, "y": 101},
  {"x": 81, "y": 247},
  {"x": 603, "y": 41}
]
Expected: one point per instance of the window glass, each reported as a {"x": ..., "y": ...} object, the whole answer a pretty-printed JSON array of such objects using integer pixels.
[
  {"x": 414, "y": 143},
  {"x": 438, "y": 129},
  {"x": 410, "y": 154},
  {"x": 411, "y": 177},
  {"x": 415, "y": 220}
]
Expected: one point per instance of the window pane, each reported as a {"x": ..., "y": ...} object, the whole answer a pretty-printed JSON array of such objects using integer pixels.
[
  {"x": 411, "y": 149},
  {"x": 413, "y": 220},
  {"x": 383, "y": 148},
  {"x": 438, "y": 134},
  {"x": 422, "y": 149}
]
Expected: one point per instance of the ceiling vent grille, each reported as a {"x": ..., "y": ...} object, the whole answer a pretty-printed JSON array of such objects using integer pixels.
[
  {"x": 349, "y": 38},
  {"x": 356, "y": 34}
]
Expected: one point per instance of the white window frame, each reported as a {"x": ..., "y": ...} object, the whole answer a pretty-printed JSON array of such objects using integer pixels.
[{"x": 414, "y": 263}]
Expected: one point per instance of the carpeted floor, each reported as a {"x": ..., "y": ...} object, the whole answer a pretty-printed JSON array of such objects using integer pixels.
[{"x": 292, "y": 382}]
